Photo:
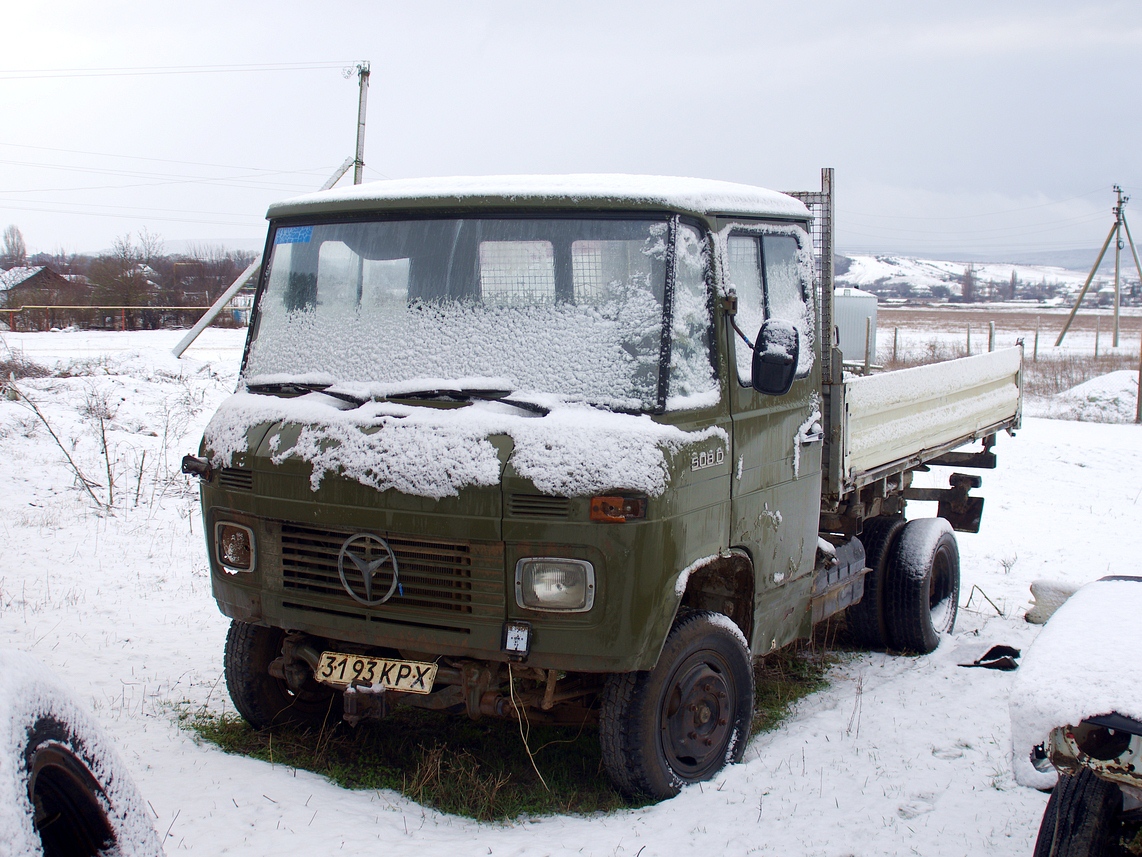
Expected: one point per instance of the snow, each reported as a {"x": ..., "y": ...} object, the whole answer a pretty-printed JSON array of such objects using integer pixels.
[
  {"x": 900, "y": 755},
  {"x": 28, "y": 695},
  {"x": 575, "y": 450},
  {"x": 922, "y": 275},
  {"x": 697, "y": 195},
  {"x": 1079, "y": 667},
  {"x": 1110, "y": 398},
  {"x": 1047, "y": 596}
]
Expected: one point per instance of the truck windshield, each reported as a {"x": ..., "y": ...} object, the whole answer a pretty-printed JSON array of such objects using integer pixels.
[{"x": 573, "y": 308}]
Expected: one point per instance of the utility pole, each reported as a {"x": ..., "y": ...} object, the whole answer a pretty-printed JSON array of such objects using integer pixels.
[
  {"x": 358, "y": 164},
  {"x": 1115, "y": 233},
  {"x": 359, "y": 161}
]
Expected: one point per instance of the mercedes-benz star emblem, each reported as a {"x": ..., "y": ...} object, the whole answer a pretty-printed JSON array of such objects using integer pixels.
[{"x": 369, "y": 554}]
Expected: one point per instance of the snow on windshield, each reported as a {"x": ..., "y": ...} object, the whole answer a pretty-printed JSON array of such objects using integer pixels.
[{"x": 572, "y": 307}]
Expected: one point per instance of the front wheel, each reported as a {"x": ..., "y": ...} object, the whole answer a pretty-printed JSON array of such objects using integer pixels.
[
  {"x": 687, "y": 718},
  {"x": 1082, "y": 819},
  {"x": 923, "y": 585},
  {"x": 264, "y": 700}
]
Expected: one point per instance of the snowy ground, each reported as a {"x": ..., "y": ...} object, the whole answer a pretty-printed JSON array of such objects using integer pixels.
[{"x": 898, "y": 756}]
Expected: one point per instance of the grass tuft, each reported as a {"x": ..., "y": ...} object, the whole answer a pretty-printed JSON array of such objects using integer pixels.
[
  {"x": 481, "y": 769},
  {"x": 456, "y": 765}
]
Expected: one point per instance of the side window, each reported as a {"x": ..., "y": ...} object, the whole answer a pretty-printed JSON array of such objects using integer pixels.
[
  {"x": 692, "y": 381},
  {"x": 767, "y": 273}
]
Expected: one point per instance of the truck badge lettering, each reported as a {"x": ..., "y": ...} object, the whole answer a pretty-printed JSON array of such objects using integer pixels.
[{"x": 702, "y": 460}]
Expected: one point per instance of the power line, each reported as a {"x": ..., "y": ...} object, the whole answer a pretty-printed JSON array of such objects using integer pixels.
[
  {"x": 849, "y": 212},
  {"x": 321, "y": 171},
  {"x": 126, "y": 216},
  {"x": 139, "y": 71}
]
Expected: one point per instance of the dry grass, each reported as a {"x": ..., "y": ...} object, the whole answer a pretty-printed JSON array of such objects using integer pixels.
[{"x": 1050, "y": 374}]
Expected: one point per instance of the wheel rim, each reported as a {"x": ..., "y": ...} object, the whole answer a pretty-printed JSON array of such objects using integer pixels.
[
  {"x": 941, "y": 592},
  {"x": 697, "y": 717},
  {"x": 69, "y": 817}
]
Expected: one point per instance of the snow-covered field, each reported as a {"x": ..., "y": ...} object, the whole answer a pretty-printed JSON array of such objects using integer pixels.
[{"x": 898, "y": 756}]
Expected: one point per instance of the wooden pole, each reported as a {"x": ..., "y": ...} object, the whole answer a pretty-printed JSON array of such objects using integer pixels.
[
  {"x": 969, "y": 340},
  {"x": 895, "y": 341},
  {"x": 867, "y": 343},
  {"x": 991, "y": 336},
  {"x": 1035, "y": 352},
  {"x": 1086, "y": 285},
  {"x": 1097, "y": 331}
]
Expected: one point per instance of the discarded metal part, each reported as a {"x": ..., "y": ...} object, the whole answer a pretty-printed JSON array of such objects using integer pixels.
[{"x": 997, "y": 658}]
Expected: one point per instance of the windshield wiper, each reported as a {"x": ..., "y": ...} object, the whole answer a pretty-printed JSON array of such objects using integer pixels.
[
  {"x": 295, "y": 388},
  {"x": 469, "y": 395}
]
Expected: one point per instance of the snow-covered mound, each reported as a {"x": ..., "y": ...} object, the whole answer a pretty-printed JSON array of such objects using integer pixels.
[
  {"x": 1111, "y": 398},
  {"x": 928, "y": 276},
  {"x": 1075, "y": 669}
]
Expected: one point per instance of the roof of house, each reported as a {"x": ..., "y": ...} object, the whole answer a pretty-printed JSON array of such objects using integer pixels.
[{"x": 15, "y": 276}]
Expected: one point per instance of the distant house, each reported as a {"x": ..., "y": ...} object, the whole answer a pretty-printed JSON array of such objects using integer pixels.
[{"x": 41, "y": 286}]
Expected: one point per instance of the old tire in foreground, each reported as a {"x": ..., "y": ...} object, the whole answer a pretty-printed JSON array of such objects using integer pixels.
[
  {"x": 264, "y": 700},
  {"x": 866, "y": 620},
  {"x": 64, "y": 791},
  {"x": 923, "y": 585},
  {"x": 1082, "y": 818},
  {"x": 687, "y": 718}
]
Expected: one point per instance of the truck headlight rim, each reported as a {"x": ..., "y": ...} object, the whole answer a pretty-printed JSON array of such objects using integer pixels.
[
  {"x": 534, "y": 574},
  {"x": 227, "y": 551}
]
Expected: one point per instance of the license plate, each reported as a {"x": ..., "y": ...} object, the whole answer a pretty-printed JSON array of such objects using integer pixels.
[{"x": 342, "y": 670}]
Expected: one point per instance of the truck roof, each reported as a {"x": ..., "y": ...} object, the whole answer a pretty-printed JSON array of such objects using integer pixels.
[{"x": 589, "y": 191}]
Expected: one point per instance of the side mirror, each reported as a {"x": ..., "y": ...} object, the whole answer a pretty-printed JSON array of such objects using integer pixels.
[{"x": 775, "y": 355}]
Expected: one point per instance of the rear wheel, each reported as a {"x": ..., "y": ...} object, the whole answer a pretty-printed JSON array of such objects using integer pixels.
[
  {"x": 1082, "y": 819},
  {"x": 265, "y": 700},
  {"x": 923, "y": 585},
  {"x": 866, "y": 618},
  {"x": 687, "y": 718}
]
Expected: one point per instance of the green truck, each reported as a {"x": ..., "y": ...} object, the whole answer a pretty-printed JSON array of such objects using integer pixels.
[{"x": 571, "y": 448}]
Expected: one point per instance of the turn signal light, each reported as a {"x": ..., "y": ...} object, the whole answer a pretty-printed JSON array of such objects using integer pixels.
[{"x": 617, "y": 510}]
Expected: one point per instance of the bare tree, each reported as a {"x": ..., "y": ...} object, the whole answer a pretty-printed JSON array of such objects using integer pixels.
[
  {"x": 119, "y": 277},
  {"x": 15, "y": 251},
  {"x": 968, "y": 283}
]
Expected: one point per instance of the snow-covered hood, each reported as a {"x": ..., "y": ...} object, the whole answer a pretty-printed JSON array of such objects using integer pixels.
[
  {"x": 1080, "y": 666},
  {"x": 574, "y": 450}
]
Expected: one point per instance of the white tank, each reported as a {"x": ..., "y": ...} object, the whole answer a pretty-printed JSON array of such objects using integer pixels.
[{"x": 851, "y": 308}]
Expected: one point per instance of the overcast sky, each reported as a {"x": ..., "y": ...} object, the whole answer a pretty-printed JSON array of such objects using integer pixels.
[{"x": 954, "y": 128}]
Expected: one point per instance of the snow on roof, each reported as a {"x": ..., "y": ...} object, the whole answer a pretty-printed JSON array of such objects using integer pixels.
[
  {"x": 1078, "y": 667},
  {"x": 703, "y": 196},
  {"x": 14, "y": 276}
]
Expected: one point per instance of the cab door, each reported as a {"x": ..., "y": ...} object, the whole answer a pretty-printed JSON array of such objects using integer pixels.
[{"x": 776, "y": 482}]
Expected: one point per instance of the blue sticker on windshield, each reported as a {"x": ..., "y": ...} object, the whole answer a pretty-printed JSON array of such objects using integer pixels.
[{"x": 293, "y": 235}]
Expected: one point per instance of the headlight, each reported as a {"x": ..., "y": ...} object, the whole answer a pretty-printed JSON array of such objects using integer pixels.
[
  {"x": 551, "y": 583},
  {"x": 235, "y": 545}
]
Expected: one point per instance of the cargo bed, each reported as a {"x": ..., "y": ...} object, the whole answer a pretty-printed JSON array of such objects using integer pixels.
[{"x": 890, "y": 422}]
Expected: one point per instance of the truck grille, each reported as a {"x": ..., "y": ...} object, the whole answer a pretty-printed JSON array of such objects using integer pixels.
[
  {"x": 236, "y": 480},
  {"x": 444, "y": 578},
  {"x": 538, "y": 506}
]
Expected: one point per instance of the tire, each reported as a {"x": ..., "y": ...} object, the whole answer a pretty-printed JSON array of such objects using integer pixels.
[
  {"x": 684, "y": 720},
  {"x": 64, "y": 786},
  {"x": 922, "y": 586},
  {"x": 866, "y": 620},
  {"x": 69, "y": 803},
  {"x": 1082, "y": 818},
  {"x": 263, "y": 700}
]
